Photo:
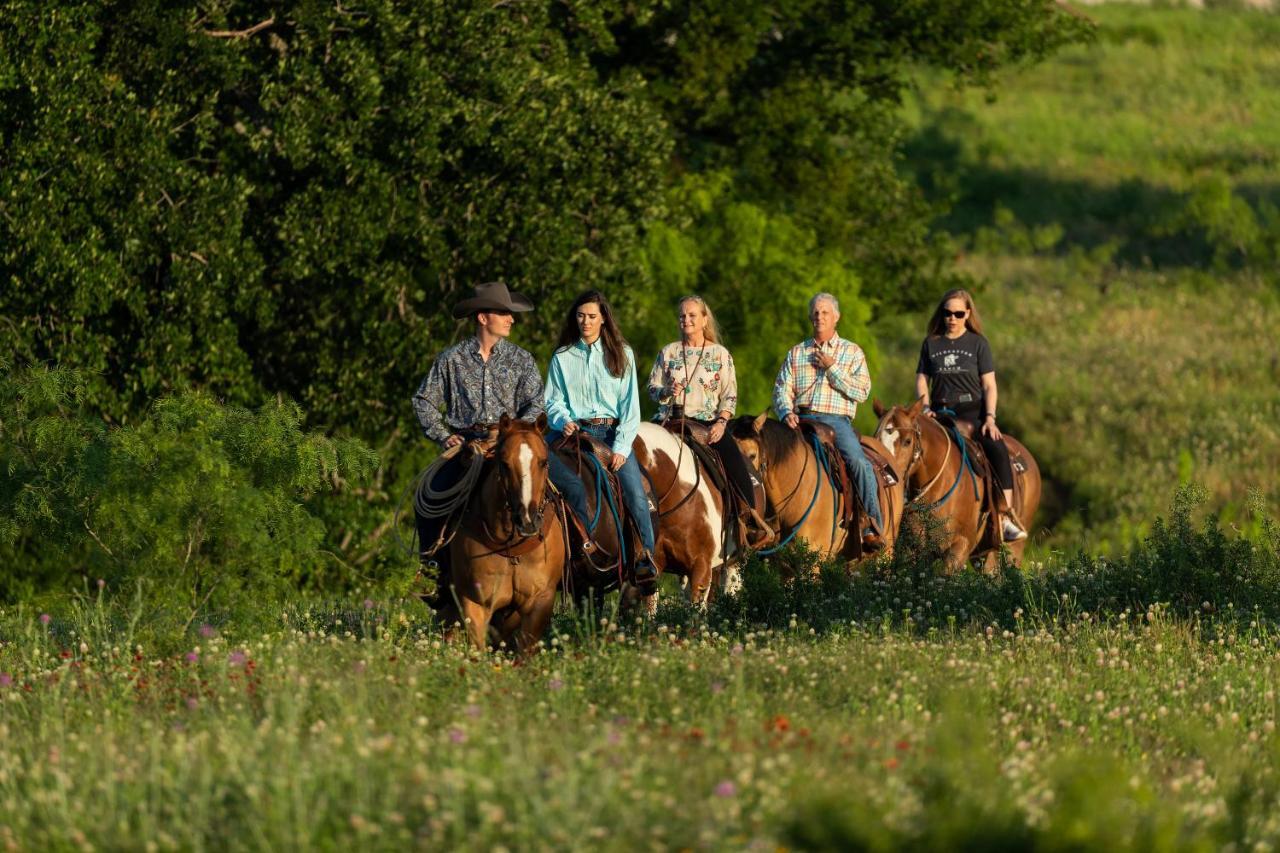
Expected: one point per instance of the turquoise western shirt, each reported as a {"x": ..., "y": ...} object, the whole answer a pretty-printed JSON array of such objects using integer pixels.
[{"x": 579, "y": 386}]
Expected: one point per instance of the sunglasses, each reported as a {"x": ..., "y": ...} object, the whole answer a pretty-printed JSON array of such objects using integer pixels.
[{"x": 959, "y": 315}]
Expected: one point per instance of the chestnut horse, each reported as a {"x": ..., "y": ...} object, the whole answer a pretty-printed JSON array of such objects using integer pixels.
[
  {"x": 938, "y": 479},
  {"x": 803, "y": 504},
  {"x": 509, "y": 554}
]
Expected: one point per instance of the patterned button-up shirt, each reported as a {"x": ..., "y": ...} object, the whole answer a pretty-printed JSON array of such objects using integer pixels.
[
  {"x": 705, "y": 375},
  {"x": 474, "y": 391},
  {"x": 834, "y": 391}
]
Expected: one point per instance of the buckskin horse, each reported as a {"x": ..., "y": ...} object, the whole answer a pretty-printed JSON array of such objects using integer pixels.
[
  {"x": 509, "y": 553},
  {"x": 803, "y": 502},
  {"x": 942, "y": 478}
]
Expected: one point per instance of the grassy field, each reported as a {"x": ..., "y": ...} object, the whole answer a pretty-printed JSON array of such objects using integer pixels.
[
  {"x": 1118, "y": 204},
  {"x": 1121, "y": 698},
  {"x": 1139, "y": 732}
]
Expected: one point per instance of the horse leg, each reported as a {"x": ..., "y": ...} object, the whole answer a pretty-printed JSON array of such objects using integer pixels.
[
  {"x": 507, "y": 629},
  {"x": 957, "y": 554},
  {"x": 476, "y": 618},
  {"x": 534, "y": 617},
  {"x": 699, "y": 585}
]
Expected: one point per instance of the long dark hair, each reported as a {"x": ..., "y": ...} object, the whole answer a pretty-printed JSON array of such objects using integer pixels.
[
  {"x": 972, "y": 322},
  {"x": 615, "y": 346}
]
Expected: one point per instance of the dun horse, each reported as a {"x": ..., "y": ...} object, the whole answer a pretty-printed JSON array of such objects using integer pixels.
[
  {"x": 509, "y": 554},
  {"x": 938, "y": 478},
  {"x": 803, "y": 504}
]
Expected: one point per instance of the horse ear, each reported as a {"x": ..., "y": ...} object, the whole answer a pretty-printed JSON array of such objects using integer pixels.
[
  {"x": 504, "y": 422},
  {"x": 758, "y": 423},
  {"x": 541, "y": 422},
  {"x": 916, "y": 408},
  {"x": 878, "y": 407}
]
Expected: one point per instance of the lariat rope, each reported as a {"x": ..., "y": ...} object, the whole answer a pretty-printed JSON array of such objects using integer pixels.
[{"x": 430, "y": 502}]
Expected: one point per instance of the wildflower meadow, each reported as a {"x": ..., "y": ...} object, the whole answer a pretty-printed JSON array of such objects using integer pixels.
[{"x": 866, "y": 710}]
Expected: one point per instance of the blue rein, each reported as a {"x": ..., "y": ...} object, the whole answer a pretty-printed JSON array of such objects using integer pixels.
[
  {"x": 965, "y": 464},
  {"x": 825, "y": 464}
]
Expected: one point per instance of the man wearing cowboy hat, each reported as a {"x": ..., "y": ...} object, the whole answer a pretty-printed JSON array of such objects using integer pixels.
[{"x": 478, "y": 381}]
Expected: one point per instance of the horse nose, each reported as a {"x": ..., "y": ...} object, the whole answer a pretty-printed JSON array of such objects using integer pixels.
[{"x": 530, "y": 523}]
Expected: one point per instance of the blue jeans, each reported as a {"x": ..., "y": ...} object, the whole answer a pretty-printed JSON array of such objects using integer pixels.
[
  {"x": 569, "y": 485},
  {"x": 864, "y": 477},
  {"x": 632, "y": 482}
]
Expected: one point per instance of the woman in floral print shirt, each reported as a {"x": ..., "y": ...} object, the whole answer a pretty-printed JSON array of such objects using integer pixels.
[{"x": 693, "y": 378}]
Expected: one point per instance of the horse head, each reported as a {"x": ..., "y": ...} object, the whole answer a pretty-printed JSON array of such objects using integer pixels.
[
  {"x": 900, "y": 433},
  {"x": 521, "y": 458}
]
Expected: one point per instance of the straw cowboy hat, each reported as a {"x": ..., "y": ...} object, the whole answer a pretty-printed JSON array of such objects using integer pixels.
[{"x": 492, "y": 296}]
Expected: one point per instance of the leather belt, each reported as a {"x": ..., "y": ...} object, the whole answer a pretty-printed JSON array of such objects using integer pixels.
[{"x": 597, "y": 421}]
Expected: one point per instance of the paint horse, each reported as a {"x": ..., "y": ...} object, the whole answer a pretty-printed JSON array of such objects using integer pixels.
[
  {"x": 693, "y": 540},
  {"x": 804, "y": 503},
  {"x": 509, "y": 553},
  {"x": 688, "y": 529},
  {"x": 943, "y": 476}
]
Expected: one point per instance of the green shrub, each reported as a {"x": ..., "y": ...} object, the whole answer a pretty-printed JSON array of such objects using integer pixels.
[{"x": 201, "y": 502}]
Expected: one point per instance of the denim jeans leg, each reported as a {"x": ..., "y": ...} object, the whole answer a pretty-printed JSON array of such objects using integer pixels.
[
  {"x": 570, "y": 485},
  {"x": 850, "y": 447},
  {"x": 632, "y": 482}
]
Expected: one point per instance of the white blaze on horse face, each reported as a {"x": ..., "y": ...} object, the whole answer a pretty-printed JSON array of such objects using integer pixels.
[
  {"x": 526, "y": 477},
  {"x": 889, "y": 438}
]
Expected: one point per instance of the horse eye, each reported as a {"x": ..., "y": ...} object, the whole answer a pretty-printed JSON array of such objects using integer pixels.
[{"x": 545, "y": 464}]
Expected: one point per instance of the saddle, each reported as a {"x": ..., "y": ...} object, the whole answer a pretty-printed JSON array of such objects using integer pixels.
[
  {"x": 994, "y": 503},
  {"x": 744, "y": 511},
  {"x": 584, "y": 447},
  {"x": 850, "y": 506}
]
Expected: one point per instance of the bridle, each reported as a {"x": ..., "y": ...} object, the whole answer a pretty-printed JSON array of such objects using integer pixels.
[
  {"x": 917, "y": 455},
  {"x": 516, "y": 544}
]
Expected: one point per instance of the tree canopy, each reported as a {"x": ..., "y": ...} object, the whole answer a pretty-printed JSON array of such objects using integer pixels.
[{"x": 256, "y": 199}]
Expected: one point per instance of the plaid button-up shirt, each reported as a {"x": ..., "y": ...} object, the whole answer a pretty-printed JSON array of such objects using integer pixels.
[
  {"x": 474, "y": 391},
  {"x": 835, "y": 391}
]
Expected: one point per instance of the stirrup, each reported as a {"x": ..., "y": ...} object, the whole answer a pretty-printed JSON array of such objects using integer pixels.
[{"x": 1010, "y": 531}]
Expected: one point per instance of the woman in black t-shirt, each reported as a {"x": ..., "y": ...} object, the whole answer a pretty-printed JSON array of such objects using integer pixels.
[{"x": 956, "y": 371}]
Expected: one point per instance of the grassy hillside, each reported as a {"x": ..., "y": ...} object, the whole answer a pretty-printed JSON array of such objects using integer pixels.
[{"x": 1119, "y": 204}]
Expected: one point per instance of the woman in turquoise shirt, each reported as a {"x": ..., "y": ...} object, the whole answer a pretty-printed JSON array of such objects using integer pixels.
[{"x": 591, "y": 385}]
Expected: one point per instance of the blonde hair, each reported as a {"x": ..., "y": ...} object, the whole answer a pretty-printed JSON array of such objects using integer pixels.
[{"x": 712, "y": 331}]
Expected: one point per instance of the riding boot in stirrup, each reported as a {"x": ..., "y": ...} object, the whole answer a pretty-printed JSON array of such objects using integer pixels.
[
  {"x": 646, "y": 575},
  {"x": 1012, "y": 532}
]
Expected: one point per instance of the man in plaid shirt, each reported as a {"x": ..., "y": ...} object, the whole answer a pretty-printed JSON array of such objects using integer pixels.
[{"x": 823, "y": 380}]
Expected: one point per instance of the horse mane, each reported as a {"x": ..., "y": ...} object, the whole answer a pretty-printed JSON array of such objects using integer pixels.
[{"x": 777, "y": 440}]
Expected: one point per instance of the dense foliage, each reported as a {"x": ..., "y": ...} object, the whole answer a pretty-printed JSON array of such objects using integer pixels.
[
  {"x": 265, "y": 199},
  {"x": 256, "y": 199},
  {"x": 196, "y": 504}
]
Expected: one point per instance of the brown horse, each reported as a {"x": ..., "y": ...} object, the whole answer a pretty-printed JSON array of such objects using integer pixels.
[
  {"x": 803, "y": 504},
  {"x": 509, "y": 554},
  {"x": 938, "y": 479}
]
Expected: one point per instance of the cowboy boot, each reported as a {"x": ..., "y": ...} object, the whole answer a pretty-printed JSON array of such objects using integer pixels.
[{"x": 645, "y": 575}]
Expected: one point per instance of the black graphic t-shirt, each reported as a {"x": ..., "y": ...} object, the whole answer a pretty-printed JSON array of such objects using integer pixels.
[{"x": 955, "y": 368}]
